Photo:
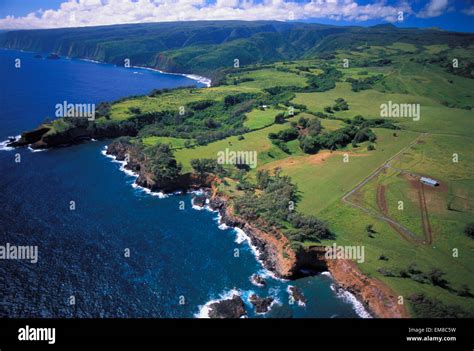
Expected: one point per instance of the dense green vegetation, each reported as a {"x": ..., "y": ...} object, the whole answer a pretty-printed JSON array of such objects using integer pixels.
[
  {"x": 273, "y": 207},
  {"x": 316, "y": 113},
  {"x": 205, "y": 47}
]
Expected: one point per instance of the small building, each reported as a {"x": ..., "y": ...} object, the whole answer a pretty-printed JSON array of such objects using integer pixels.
[{"x": 429, "y": 181}]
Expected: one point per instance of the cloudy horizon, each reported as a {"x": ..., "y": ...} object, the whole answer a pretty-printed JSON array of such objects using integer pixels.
[{"x": 82, "y": 13}]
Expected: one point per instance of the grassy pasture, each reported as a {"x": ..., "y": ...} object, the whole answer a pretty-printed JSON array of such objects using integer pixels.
[
  {"x": 173, "y": 100},
  {"x": 428, "y": 158},
  {"x": 323, "y": 180},
  {"x": 266, "y": 78},
  {"x": 257, "y": 119},
  {"x": 254, "y": 141},
  {"x": 175, "y": 143}
]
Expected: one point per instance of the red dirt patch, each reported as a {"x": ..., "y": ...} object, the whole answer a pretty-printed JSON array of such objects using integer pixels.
[
  {"x": 425, "y": 220},
  {"x": 381, "y": 201}
]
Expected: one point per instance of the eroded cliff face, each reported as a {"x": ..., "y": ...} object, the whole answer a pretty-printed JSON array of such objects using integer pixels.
[
  {"x": 136, "y": 162},
  {"x": 380, "y": 300},
  {"x": 42, "y": 138},
  {"x": 274, "y": 249}
]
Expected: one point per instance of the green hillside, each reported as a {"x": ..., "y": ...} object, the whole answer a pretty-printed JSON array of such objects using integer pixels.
[{"x": 204, "y": 47}]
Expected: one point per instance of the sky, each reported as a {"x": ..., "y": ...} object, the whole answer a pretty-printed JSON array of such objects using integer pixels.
[{"x": 455, "y": 15}]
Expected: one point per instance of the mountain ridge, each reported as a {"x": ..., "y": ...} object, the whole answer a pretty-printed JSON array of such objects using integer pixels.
[{"x": 205, "y": 47}]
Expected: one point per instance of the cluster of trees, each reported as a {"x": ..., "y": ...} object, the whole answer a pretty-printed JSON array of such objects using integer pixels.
[
  {"x": 324, "y": 81},
  {"x": 204, "y": 121},
  {"x": 275, "y": 206},
  {"x": 315, "y": 83},
  {"x": 426, "y": 307},
  {"x": 364, "y": 83},
  {"x": 282, "y": 137},
  {"x": 361, "y": 122},
  {"x": 464, "y": 69},
  {"x": 207, "y": 166},
  {"x": 160, "y": 162},
  {"x": 336, "y": 139},
  {"x": 311, "y": 126},
  {"x": 340, "y": 105},
  {"x": 434, "y": 276},
  {"x": 231, "y": 100},
  {"x": 311, "y": 140}
]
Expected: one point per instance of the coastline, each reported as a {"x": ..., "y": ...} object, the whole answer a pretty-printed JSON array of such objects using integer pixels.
[
  {"x": 207, "y": 82},
  {"x": 268, "y": 256},
  {"x": 268, "y": 249},
  {"x": 200, "y": 79}
]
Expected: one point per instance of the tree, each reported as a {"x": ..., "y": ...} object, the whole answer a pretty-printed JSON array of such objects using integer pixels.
[
  {"x": 436, "y": 277},
  {"x": 263, "y": 179},
  {"x": 280, "y": 118},
  {"x": 310, "y": 144},
  {"x": 465, "y": 291},
  {"x": 469, "y": 230},
  {"x": 161, "y": 162},
  {"x": 206, "y": 165}
]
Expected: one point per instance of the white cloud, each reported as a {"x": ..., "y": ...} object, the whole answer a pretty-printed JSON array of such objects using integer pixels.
[
  {"x": 469, "y": 11},
  {"x": 434, "y": 8},
  {"x": 78, "y": 13}
]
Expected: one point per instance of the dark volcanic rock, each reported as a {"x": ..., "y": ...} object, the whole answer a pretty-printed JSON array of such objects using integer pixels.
[
  {"x": 199, "y": 200},
  {"x": 231, "y": 308},
  {"x": 261, "y": 304},
  {"x": 257, "y": 280},
  {"x": 297, "y": 295},
  {"x": 31, "y": 137},
  {"x": 123, "y": 150}
]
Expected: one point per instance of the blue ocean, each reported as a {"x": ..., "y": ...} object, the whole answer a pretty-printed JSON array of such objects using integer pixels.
[{"x": 179, "y": 259}]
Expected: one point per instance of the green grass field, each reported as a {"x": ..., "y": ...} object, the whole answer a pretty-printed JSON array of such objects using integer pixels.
[
  {"x": 266, "y": 78},
  {"x": 254, "y": 141},
  {"x": 322, "y": 179},
  {"x": 173, "y": 100},
  {"x": 450, "y": 208},
  {"x": 323, "y": 182},
  {"x": 175, "y": 143},
  {"x": 257, "y": 119}
]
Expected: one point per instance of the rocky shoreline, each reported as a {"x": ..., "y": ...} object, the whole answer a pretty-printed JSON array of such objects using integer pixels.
[
  {"x": 273, "y": 249},
  {"x": 42, "y": 138}
]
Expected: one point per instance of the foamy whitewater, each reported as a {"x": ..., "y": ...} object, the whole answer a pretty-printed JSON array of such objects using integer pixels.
[
  {"x": 3, "y": 144},
  {"x": 200, "y": 79},
  {"x": 173, "y": 252},
  {"x": 350, "y": 298},
  {"x": 131, "y": 174}
]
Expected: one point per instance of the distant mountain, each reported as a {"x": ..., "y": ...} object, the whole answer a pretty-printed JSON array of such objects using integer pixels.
[{"x": 204, "y": 47}]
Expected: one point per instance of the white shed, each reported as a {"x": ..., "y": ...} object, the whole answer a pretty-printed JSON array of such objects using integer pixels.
[{"x": 429, "y": 181}]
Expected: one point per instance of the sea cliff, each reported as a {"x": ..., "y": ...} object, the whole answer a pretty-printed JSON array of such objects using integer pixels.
[{"x": 273, "y": 249}]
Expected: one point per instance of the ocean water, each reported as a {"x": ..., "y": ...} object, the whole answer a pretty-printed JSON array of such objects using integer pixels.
[{"x": 179, "y": 259}]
